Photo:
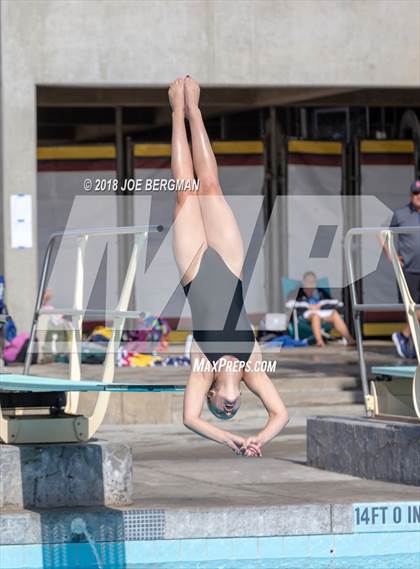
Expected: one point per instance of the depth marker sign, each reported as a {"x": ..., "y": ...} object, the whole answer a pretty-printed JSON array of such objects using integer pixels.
[{"x": 386, "y": 516}]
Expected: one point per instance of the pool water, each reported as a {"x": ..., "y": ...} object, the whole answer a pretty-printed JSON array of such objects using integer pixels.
[
  {"x": 402, "y": 561},
  {"x": 400, "y": 550}
]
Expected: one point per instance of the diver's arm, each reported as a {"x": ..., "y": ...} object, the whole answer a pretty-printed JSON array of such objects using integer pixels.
[
  {"x": 197, "y": 387},
  {"x": 260, "y": 384}
]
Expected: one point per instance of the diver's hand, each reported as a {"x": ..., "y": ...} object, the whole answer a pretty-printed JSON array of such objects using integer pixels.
[
  {"x": 252, "y": 447},
  {"x": 236, "y": 443}
]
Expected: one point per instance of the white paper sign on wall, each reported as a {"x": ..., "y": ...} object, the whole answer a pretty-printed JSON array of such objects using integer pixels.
[{"x": 21, "y": 220}]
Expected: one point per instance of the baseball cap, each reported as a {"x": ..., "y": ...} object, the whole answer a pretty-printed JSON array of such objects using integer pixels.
[{"x": 415, "y": 186}]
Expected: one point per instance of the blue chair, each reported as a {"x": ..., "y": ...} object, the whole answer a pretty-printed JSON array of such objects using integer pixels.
[{"x": 299, "y": 327}]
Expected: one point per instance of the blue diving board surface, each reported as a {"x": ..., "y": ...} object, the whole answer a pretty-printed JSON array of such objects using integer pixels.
[
  {"x": 18, "y": 382},
  {"x": 395, "y": 371}
]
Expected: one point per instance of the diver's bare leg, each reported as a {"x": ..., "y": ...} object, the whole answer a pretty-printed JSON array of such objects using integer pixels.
[
  {"x": 189, "y": 235},
  {"x": 220, "y": 225}
]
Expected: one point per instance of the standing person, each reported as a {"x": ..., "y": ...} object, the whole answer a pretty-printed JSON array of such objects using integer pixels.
[
  {"x": 209, "y": 253},
  {"x": 408, "y": 248}
]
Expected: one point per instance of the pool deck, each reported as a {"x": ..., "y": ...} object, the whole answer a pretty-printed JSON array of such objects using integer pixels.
[{"x": 202, "y": 489}]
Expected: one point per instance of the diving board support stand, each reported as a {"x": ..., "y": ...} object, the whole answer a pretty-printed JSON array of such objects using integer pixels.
[
  {"x": 42, "y": 424},
  {"x": 102, "y": 401},
  {"x": 77, "y": 321},
  {"x": 410, "y": 305},
  {"x": 393, "y": 393},
  {"x": 384, "y": 445},
  {"x": 413, "y": 322}
]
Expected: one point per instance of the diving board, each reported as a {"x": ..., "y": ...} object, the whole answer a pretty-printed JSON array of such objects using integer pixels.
[
  {"x": 394, "y": 392},
  {"x": 394, "y": 371},
  {"x": 36, "y": 383}
]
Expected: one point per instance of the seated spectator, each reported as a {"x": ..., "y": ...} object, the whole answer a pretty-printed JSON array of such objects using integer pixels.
[{"x": 317, "y": 306}]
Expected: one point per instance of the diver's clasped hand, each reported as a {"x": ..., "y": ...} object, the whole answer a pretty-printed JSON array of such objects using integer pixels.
[{"x": 250, "y": 446}]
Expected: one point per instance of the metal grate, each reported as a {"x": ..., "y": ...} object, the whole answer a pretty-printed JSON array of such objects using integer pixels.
[{"x": 144, "y": 524}]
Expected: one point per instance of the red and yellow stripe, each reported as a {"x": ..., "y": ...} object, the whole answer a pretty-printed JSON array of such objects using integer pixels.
[{"x": 314, "y": 153}]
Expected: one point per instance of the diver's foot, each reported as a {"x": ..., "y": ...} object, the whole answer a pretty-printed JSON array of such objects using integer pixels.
[
  {"x": 320, "y": 344},
  {"x": 192, "y": 95},
  {"x": 176, "y": 95}
]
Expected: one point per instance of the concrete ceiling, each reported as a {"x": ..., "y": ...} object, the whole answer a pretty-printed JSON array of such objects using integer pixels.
[
  {"x": 227, "y": 99},
  {"x": 88, "y": 113}
]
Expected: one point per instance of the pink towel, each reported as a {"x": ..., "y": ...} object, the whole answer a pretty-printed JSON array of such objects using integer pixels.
[{"x": 12, "y": 349}]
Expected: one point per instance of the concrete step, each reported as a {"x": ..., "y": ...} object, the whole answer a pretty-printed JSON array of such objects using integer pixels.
[
  {"x": 315, "y": 381},
  {"x": 294, "y": 379},
  {"x": 321, "y": 396},
  {"x": 128, "y": 408},
  {"x": 298, "y": 413}
]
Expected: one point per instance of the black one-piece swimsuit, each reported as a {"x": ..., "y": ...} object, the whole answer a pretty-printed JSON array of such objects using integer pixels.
[{"x": 220, "y": 323}]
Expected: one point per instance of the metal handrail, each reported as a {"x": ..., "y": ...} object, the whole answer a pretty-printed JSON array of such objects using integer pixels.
[
  {"x": 119, "y": 314},
  {"x": 358, "y": 307},
  {"x": 94, "y": 232},
  {"x": 100, "y": 231},
  {"x": 89, "y": 312}
]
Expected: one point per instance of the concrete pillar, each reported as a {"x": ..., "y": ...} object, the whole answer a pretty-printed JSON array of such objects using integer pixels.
[
  {"x": 367, "y": 448},
  {"x": 18, "y": 174},
  {"x": 98, "y": 473}
]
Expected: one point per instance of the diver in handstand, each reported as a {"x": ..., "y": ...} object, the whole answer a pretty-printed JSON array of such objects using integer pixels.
[{"x": 209, "y": 253}]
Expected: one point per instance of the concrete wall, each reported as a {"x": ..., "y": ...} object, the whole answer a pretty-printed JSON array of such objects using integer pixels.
[
  {"x": 308, "y": 43},
  {"x": 1, "y": 164}
]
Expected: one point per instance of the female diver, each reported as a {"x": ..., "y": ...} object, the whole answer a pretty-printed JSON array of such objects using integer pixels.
[{"x": 209, "y": 253}]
